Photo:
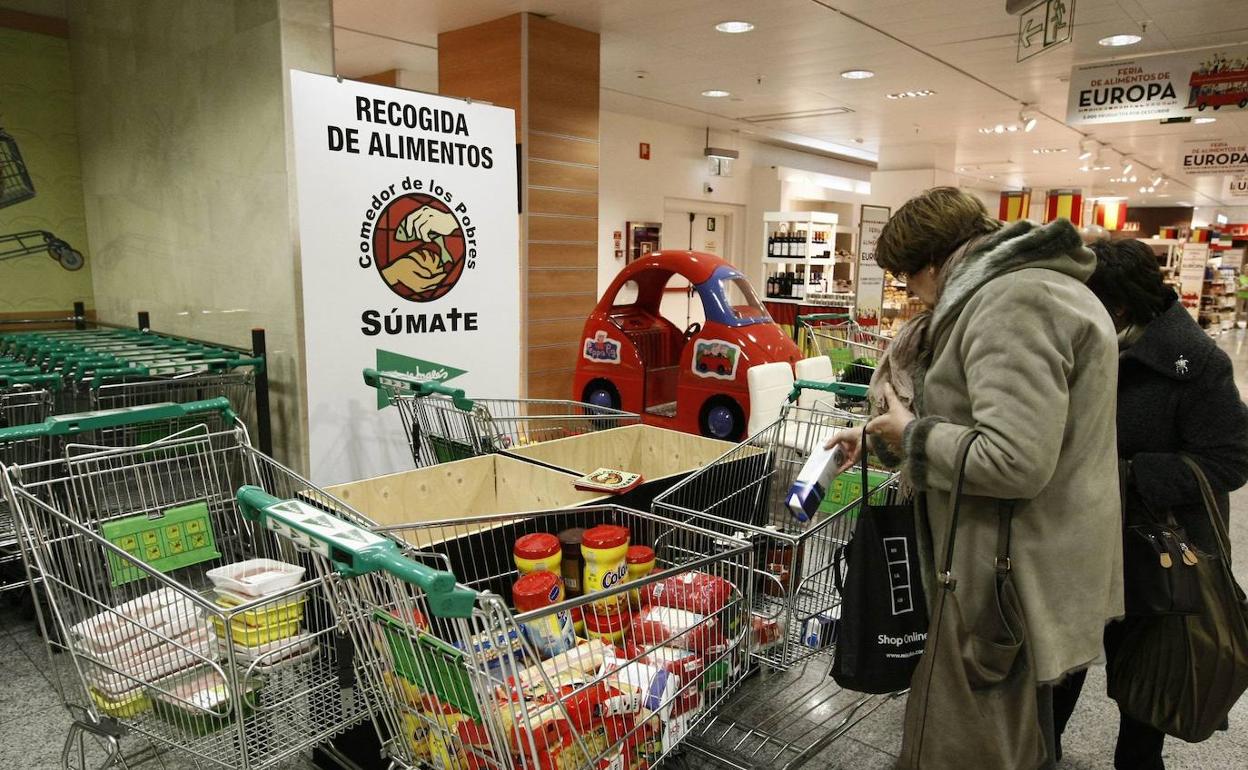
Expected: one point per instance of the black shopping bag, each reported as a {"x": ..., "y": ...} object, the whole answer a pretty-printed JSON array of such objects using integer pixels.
[{"x": 883, "y": 622}]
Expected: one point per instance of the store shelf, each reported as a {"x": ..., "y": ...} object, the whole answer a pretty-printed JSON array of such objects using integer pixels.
[
  {"x": 848, "y": 300},
  {"x": 804, "y": 261}
]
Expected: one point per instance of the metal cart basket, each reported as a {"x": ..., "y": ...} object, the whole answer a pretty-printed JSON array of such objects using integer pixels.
[
  {"x": 442, "y": 424},
  {"x": 458, "y": 680},
  {"x": 129, "y": 541},
  {"x": 850, "y": 346},
  {"x": 746, "y": 491}
]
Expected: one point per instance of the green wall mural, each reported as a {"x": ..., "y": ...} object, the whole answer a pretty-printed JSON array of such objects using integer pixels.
[{"x": 37, "y": 115}]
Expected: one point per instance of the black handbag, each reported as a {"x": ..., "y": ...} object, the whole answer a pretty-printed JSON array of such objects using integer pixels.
[
  {"x": 883, "y": 620},
  {"x": 1183, "y": 673},
  {"x": 1158, "y": 562}
]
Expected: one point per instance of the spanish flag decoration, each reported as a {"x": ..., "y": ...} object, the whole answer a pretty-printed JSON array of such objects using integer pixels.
[
  {"x": 1110, "y": 214},
  {"x": 1064, "y": 204},
  {"x": 1170, "y": 232},
  {"x": 1200, "y": 235},
  {"x": 1014, "y": 205}
]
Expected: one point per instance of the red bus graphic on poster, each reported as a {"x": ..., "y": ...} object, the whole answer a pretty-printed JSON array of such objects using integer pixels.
[{"x": 1218, "y": 82}]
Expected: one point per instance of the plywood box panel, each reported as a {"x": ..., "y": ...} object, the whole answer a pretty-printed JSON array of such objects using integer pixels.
[{"x": 653, "y": 452}]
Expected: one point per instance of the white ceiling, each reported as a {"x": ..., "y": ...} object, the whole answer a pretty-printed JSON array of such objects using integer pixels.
[{"x": 962, "y": 49}]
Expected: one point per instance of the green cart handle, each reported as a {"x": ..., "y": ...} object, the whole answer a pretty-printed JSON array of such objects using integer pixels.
[
  {"x": 353, "y": 550},
  {"x": 50, "y": 381},
  {"x": 825, "y": 317},
  {"x": 69, "y": 424},
  {"x": 409, "y": 384},
  {"x": 835, "y": 388}
]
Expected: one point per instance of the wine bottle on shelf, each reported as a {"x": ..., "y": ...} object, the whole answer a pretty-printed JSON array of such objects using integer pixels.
[
  {"x": 802, "y": 243},
  {"x": 784, "y": 244},
  {"x": 771, "y": 245}
]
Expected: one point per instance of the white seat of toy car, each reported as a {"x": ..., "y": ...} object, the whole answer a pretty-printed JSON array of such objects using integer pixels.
[
  {"x": 770, "y": 385},
  {"x": 814, "y": 369}
]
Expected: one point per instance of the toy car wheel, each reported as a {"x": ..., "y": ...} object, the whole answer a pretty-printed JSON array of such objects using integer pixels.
[
  {"x": 701, "y": 366},
  {"x": 722, "y": 418},
  {"x": 601, "y": 393},
  {"x": 721, "y": 369},
  {"x": 1243, "y": 103}
]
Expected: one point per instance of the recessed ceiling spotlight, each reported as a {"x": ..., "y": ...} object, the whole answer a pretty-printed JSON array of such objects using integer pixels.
[
  {"x": 1028, "y": 118},
  {"x": 1117, "y": 41},
  {"x": 998, "y": 129},
  {"x": 1203, "y": 121},
  {"x": 1012, "y": 127},
  {"x": 716, "y": 93},
  {"x": 911, "y": 94},
  {"x": 1048, "y": 150},
  {"x": 1127, "y": 165},
  {"x": 734, "y": 27},
  {"x": 857, "y": 74},
  {"x": 1087, "y": 149}
]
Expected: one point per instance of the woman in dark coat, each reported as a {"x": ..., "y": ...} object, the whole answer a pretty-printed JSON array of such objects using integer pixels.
[{"x": 1176, "y": 394}]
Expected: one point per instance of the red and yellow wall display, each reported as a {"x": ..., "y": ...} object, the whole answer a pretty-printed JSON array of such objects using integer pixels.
[{"x": 1064, "y": 204}]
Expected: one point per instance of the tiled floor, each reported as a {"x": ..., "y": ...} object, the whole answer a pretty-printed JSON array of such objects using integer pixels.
[{"x": 33, "y": 724}]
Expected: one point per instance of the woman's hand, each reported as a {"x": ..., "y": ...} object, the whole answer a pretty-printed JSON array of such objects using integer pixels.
[
  {"x": 890, "y": 427},
  {"x": 850, "y": 442}
]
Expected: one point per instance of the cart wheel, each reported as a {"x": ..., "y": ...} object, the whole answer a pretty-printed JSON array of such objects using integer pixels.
[
  {"x": 722, "y": 418},
  {"x": 70, "y": 258},
  {"x": 601, "y": 393},
  {"x": 1243, "y": 103},
  {"x": 1201, "y": 107}
]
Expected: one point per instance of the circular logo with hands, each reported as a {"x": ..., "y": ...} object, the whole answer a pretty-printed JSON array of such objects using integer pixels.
[{"x": 418, "y": 247}]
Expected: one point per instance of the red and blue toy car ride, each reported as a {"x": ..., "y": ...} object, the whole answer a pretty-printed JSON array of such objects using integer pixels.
[{"x": 693, "y": 380}]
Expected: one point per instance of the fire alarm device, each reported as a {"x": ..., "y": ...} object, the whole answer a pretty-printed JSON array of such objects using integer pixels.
[{"x": 644, "y": 150}]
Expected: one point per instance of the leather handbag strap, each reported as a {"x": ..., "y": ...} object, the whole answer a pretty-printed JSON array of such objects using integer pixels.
[
  {"x": 964, "y": 451},
  {"x": 1221, "y": 537}
]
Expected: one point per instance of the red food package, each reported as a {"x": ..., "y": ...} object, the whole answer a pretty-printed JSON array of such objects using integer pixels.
[
  {"x": 685, "y": 664},
  {"x": 692, "y": 591},
  {"x": 668, "y": 627}
]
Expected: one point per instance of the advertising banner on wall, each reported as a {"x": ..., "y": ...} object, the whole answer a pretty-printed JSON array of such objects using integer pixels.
[
  {"x": 410, "y": 254},
  {"x": 1237, "y": 186},
  {"x": 1192, "y": 275},
  {"x": 1217, "y": 157},
  {"x": 1158, "y": 87},
  {"x": 869, "y": 297}
]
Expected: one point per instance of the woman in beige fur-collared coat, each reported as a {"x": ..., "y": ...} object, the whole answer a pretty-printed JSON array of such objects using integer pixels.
[{"x": 1017, "y": 348}]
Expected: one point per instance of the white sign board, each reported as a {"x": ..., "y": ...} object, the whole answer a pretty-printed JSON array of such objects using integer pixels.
[
  {"x": 1233, "y": 258},
  {"x": 1237, "y": 186},
  {"x": 1158, "y": 87},
  {"x": 869, "y": 297},
  {"x": 1192, "y": 275},
  {"x": 410, "y": 258},
  {"x": 1218, "y": 157}
]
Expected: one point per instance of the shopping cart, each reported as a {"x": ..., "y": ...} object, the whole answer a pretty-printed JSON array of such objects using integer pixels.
[
  {"x": 459, "y": 680},
  {"x": 135, "y": 543},
  {"x": 746, "y": 491},
  {"x": 20, "y": 404},
  {"x": 854, "y": 350},
  {"x": 442, "y": 424}
]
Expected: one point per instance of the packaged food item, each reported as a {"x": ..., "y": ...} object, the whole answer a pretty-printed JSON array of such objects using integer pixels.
[
  {"x": 573, "y": 562},
  {"x": 578, "y": 620},
  {"x": 538, "y": 551},
  {"x": 256, "y": 577},
  {"x": 124, "y": 705},
  {"x": 582, "y": 659},
  {"x": 254, "y": 636},
  {"x": 446, "y": 750},
  {"x": 766, "y": 632},
  {"x": 604, "y": 548},
  {"x": 416, "y": 732},
  {"x": 608, "y": 627},
  {"x": 693, "y": 591},
  {"x": 667, "y": 626},
  {"x": 496, "y": 651},
  {"x": 137, "y": 625},
  {"x": 552, "y": 634},
  {"x": 781, "y": 556},
  {"x": 640, "y": 560},
  {"x": 201, "y": 701},
  {"x": 646, "y": 689},
  {"x": 291, "y": 649},
  {"x": 686, "y": 664},
  {"x": 284, "y": 610},
  {"x": 814, "y": 480},
  {"x": 819, "y": 630},
  {"x": 122, "y": 675}
]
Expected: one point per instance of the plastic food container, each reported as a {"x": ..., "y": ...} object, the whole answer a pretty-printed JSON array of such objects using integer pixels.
[
  {"x": 139, "y": 624},
  {"x": 604, "y": 548},
  {"x": 199, "y": 701},
  {"x": 609, "y": 627},
  {"x": 537, "y": 552},
  {"x": 114, "y": 679},
  {"x": 282, "y": 611},
  {"x": 279, "y": 652},
  {"x": 256, "y": 577},
  {"x": 124, "y": 706},
  {"x": 255, "y": 636}
]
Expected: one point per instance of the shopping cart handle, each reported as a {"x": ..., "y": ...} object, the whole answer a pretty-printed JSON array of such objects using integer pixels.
[
  {"x": 52, "y": 381},
  {"x": 353, "y": 550},
  {"x": 825, "y": 317},
  {"x": 836, "y": 388},
  {"x": 69, "y": 424},
  {"x": 462, "y": 402},
  {"x": 395, "y": 382}
]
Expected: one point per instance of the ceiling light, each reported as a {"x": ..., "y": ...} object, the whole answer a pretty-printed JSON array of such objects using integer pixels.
[
  {"x": 1203, "y": 121},
  {"x": 1087, "y": 149},
  {"x": 1156, "y": 181},
  {"x": 1028, "y": 119},
  {"x": 1012, "y": 127},
  {"x": 1132, "y": 180},
  {"x": 1048, "y": 150},
  {"x": 911, "y": 94},
  {"x": 716, "y": 93},
  {"x": 857, "y": 74},
  {"x": 1127, "y": 166},
  {"x": 734, "y": 27},
  {"x": 1116, "y": 41},
  {"x": 998, "y": 129}
]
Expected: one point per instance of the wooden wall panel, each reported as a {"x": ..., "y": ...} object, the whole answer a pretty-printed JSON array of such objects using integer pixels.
[
  {"x": 563, "y": 255},
  {"x": 383, "y": 78},
  {"x": 554, "y": 383},
  {"x": 557, "y": 332},
  {"x": 555, "y": 357},
  {"x": 561, "y": 281},
  {"x": 544, "y": 173},
  {"x": 552, "y": 227},
  {"x": 563, "y": 79},
  {"x": 484, "y": 62},
  {"x": 565, "y": 148},
  {"x": 580, "y": 204},
  {"x": 546, "y": 307}
]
